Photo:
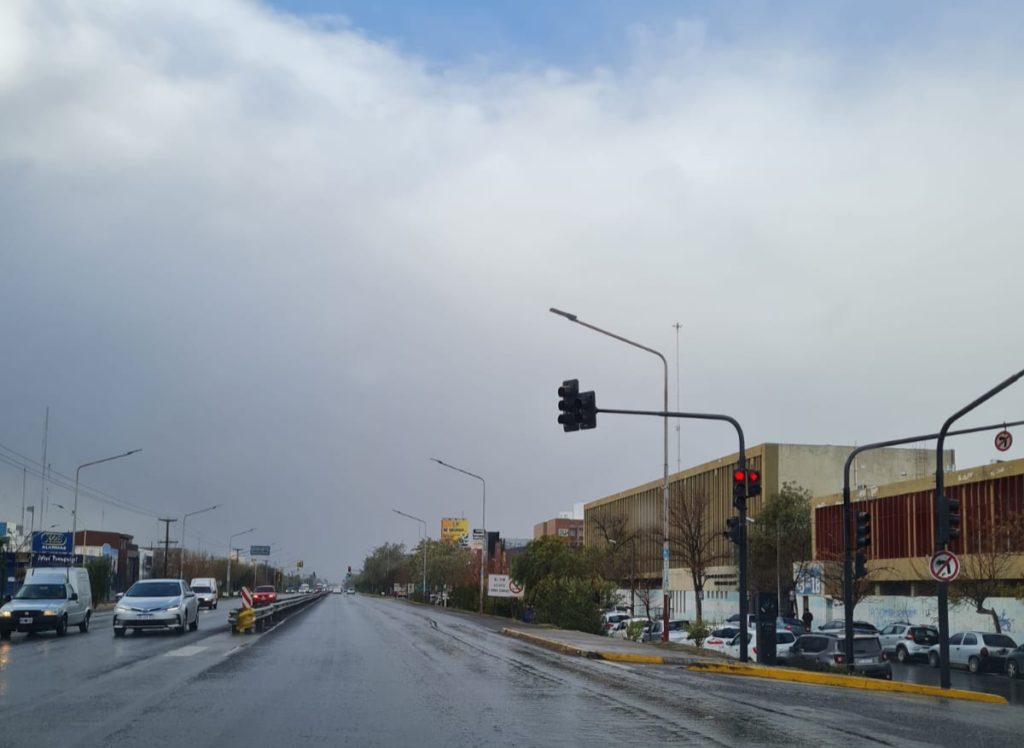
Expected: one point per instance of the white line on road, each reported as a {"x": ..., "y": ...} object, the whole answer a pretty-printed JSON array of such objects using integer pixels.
[{"x": 187, "y": 651}]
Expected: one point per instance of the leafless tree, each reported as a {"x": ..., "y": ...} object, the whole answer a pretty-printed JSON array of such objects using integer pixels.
[
  {"x": 987, "y": 571},
  {"x": 694, "y": 542}
]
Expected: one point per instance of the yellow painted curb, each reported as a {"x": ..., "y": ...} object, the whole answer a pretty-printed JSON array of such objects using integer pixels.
[
  {"x": 548, "y": 643},
  {"x": 624, "y": 657},
  {"x": 845, "y": 681}
]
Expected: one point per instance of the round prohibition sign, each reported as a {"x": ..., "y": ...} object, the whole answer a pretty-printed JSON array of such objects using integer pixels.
[
  {"x": 514, "y": 587},
  {"x": 944, "y": 566},
  {"x": 1004, "y": 440}
]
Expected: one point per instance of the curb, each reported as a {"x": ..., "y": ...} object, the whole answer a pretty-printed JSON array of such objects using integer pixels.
[
  {"x": 557, "y": 646},
  {"x": 845, "y": 681}
]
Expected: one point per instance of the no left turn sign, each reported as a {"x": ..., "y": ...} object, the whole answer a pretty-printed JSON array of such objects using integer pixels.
[
  {"x": 944, "y": 566},
  {"x": 1004, "y": 440}
]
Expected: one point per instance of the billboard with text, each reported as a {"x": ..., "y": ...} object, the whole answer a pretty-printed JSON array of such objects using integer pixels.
[{"x": 455, "y": 530}]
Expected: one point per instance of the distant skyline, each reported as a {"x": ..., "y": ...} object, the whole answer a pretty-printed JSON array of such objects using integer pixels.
[{"x": 294, "y": 250}]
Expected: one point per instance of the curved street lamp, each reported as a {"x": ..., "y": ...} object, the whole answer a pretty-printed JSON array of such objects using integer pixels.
[{"x": 483, "y": 522}]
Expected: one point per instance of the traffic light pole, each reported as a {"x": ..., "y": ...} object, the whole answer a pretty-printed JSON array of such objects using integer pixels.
[
  {"x": 847, "y": 505},
  {"x": 741, "y": 507},
  {"x": 941, "y": 507}
]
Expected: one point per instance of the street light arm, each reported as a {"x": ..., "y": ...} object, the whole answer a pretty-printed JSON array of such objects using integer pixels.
[
  {"x": 108, "y": 459},
  {"x": 464, "y": 472},
  {"x": 74, "y": 514}
]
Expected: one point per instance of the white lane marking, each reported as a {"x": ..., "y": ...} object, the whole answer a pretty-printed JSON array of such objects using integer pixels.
[
  {"x": 616, "y": 664},
  {"x": 187, "y": 651}
]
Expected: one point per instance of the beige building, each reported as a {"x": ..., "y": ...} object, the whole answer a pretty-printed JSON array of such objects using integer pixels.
[{"x": 816, "y": 468}]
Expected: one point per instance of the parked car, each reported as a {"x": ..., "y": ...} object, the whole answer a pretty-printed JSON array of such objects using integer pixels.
[
  {"x": 907, "y": 642},
  {"x": 839, "y": 625},
  {"x": 51, "y": 599},
  {"x": 264, "y": 595},
  {"x": 207, "y": 592},
  {"x": 783, "y": 641},
  {"x": 623, "y": 632},
  {"x": 720, "y": 637},
  {"x": 1015, "y": 662},
  {"x": 610, "y": 618},
  {"x": 827, "y": 649},
  {"x": 976, "y": 650},
  {"x": 157, "y": 604},
  {"x": 676, "y": 630},
  {"x": 794, "y": 625},
  {"x": 734, "y": 620}
]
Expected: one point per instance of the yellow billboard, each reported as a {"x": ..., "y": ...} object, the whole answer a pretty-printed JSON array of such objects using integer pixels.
[{"x": 455, "y": 530}]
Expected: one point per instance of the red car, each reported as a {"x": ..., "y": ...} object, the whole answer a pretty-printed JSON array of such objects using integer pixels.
[{"x": 264, "y": 595}]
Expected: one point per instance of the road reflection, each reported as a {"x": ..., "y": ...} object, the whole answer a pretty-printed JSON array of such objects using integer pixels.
[{"x": 996, "y": 683}]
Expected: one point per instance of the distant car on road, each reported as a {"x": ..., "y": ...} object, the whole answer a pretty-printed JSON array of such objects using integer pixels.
[
  {"x": 351, "y": 591},
  {"x": 907, "y": 642},
  {"x": 207, "y": 592},
  {"x": 265, "y": 594},
  {"x": 976, "y": 650},
  {"x": 303, "y": 589},
  {"x": 157, "y": 604},
  {"x": 50, "y": 599}
]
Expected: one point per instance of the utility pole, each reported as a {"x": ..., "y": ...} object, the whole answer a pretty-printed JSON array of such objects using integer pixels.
[
  {"x": 167, "y": 539},
  {"x": 679, "y": 439},
  {"x": 42, "y": 484}
]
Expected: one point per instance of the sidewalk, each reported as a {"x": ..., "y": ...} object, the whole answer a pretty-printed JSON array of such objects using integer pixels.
[{"x": 609, "y": 648}]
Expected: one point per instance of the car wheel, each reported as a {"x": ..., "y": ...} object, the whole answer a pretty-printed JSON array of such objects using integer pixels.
[
  {"x": 84, "y": 625},
  {"x": 974, "y": 664},
  {"x": 62, "y": 626},
  {"x": 1012, "y": 669},
  {"x": 118, "y": 633},
  {"x": 194, "y": 626},
  {"x": 902, "y": 655},
  {"x": 215, "y": 606},
  {"x": 933, "y": 659},
  {"x": 184, "y": 623}
]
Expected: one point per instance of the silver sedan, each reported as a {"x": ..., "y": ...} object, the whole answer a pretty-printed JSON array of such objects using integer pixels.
[{"x": 164, "y": 604}]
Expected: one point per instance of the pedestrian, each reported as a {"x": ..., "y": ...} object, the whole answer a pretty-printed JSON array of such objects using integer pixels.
[{"x": 808, "y": 618}]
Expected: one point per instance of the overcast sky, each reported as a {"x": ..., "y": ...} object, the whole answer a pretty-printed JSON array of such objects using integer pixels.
[{"x": 294, "y": 251}]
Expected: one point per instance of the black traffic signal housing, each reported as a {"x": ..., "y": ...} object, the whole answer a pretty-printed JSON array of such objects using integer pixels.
[
  {"x": 949, "y": 520},
  {"x": 586, "y": 413},
  {"x": 860, "y": 569},
  {"x": 753, "y": 483},
  {"x": 732, "y": 530},
  {"x": 568, "y": 404},
  {"x": 863, "y": 530},
  {"x": 739, "y": 487}
]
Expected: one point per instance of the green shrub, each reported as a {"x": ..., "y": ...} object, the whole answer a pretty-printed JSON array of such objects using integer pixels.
[{"x": 698, "y": 631}]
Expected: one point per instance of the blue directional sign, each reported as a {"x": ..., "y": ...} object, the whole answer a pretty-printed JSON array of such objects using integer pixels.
[
  {"x": 259, "y": 550},
  {"x": 52, "y": 542}
]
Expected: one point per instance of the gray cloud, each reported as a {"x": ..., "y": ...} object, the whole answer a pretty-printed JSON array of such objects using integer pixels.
[{"x": 292, "y": 263}]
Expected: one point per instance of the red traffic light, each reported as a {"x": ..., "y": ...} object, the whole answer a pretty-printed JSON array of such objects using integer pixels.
[
  {"x": 754, "y": 475},
  {"x": 739, "y": 475}
]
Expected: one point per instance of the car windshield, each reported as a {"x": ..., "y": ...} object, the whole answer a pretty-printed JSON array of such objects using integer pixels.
[
  {"x": 999, "y": 640},
  {"x": 154, "y": 589},
  {"x": 42, "y": 592},
  {"x": 200, "y": 588},
  {"x": 264, "y": 589}
]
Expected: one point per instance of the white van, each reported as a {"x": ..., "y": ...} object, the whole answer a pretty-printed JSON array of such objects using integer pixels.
[
  {"x": 207, "y": 591},
  {"x": 49, "y": 599}
]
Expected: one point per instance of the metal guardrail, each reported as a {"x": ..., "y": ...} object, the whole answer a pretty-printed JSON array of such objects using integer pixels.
[{"x": 256, "y": 619}]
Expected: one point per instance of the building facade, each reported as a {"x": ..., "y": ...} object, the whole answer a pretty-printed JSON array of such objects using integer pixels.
[
  {"x": 636, "y": 513},
  {"x": 571, "y": 530},
  {"x": 902, "y": 521}
]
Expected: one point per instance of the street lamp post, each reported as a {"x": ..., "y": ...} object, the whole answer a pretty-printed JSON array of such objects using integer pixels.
[
  {"x": 424, "y": 549},
  {"x": 181, "y": 566},
  {"x": 483, "y": 521},
  {"x": 664, "y": 488},
  {"x": 74, "y": 513},
  {"x": 230, "y": 539}
]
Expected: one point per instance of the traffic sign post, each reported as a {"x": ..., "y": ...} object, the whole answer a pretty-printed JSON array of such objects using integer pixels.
[
  {"x": 944, "y": 566},
  {"x": 1004, "y": 440}
]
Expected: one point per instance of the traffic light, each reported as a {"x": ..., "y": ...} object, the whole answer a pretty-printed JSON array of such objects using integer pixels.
[
  {"x": 350, "y": 570},
  {"x": 732, "y": 530},
  {"x": 860, "y": 565},
  {"x": 586, "y": 415},
  {"x": 863, "y": 530},
  {"x": 753, "y": 483},
  {"x": 568, "y": 404},
  {"x": 739, "y": 487},
  {"x": 949, "y": 520}
]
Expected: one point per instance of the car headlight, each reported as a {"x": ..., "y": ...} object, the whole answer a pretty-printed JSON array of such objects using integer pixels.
[
  {"x": 5, "y": 614},
  {"x": 49, "y": 613},
  {"x": 175, "y": 606}
]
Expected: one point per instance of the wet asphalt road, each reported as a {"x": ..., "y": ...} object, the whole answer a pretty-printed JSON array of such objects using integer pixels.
[{"x": 355, "y": 670}]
